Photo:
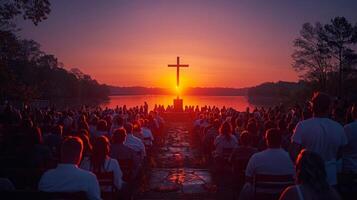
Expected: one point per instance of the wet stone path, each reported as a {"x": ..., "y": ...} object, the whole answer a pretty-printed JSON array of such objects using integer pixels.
[{"x": 178, "y": 173}]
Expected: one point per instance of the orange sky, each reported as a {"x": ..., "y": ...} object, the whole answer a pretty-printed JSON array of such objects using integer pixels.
[{"x": 130, "y": 43}]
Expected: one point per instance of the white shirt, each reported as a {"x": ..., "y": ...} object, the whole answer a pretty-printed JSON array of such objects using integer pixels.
[
  {"x": 324, "y": 137},
  {"x": 270, "y": 161},
  {"x": 350, "y": 151},
  {"x": 70, "y": 178},
  {"x": 147, "y": 136},
  {"x": 135, "y": 143},
  {"x": 110, "y": 165}
]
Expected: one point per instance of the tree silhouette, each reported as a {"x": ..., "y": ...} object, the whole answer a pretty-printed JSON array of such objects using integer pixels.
[
  {"x": 34, "y": 10},
  {"x": 340, "y": 35},
  {"x": 311, "y": 56},
  {"x": 324, "y": 54}
]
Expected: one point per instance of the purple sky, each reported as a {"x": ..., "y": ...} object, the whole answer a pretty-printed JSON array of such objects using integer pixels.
[{"x": 227, "y": 43}]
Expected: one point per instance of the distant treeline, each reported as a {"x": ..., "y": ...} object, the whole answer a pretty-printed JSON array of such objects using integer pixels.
[
  {"x": 278, "y": 91},
  {"x": 217, "y": 91},
  {"x": 27, "y": 73}
]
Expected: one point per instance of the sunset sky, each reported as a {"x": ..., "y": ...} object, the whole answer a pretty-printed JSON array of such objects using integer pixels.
[{"x": 226, "y": 43}]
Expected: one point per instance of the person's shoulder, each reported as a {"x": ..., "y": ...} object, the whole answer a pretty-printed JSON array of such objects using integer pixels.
[
  {"x": 289, "y": 193},
  {"x": 307, "y": 122},
  {"x": 50, "y": 172},
  {"x": 334, "y": 123},
  {"x": 351, "y": 125}
]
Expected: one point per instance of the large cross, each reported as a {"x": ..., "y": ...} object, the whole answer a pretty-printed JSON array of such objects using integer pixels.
[{"x": 178, "y": 65}]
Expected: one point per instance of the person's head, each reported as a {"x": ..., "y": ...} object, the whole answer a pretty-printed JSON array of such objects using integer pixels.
[
  {"x": 226, "y": 129},
  {"x": 310, "y": 171},
  {"x": 101, "y": 150},
  {"x": 282, "y": 125},
  {"x": 129, "y": 128},
  {"x": 216, "y": 124},
  {"x": 320, "y": 104},
  {"x": 71, "y": 150},
  {"x": 252, "y": 127},
  {"x": 119, "y": 136},
  {"x": 118, "y": 120},
  {"x": 87, "y": 146},
  {"x": 136, "y": 128},
  {"x": 146, "y": 123},
  {"x": 269, "y": 124},
  {"x": 102, "y": 125},
  {"x": 57, "y": 130},
  {"x": 245, "y": 139},
  {"x": 273, "y": 138}
]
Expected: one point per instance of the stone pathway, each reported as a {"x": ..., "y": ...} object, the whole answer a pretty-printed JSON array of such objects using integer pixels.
[{"x": 178, "y": 173}]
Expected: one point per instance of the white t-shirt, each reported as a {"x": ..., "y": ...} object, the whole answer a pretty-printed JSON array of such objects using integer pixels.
[
  {"x": 324, "y": 137},
  {"x": 350, "y": 151},
  {"x": 70, "y": 178},
  {"x": 135, "y": 143},
  {"x": 270, "y": 161}
]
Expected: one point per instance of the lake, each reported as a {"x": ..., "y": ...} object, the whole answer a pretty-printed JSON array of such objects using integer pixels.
[{"x": 237, "y": 102}]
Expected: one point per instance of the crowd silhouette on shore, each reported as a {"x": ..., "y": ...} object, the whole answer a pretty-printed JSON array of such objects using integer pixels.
[{"x": 310, "y": 149}]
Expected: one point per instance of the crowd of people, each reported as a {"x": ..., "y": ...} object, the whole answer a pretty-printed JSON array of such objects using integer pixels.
[
  {"x": 310, "y": 144},
  {"x": 72, "y": 148}
]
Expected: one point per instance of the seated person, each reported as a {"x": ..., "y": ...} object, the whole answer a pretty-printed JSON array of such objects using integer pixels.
[
  {"x": 311, "y": 180},
  {"x": 67, "y": 177},
  {"x": 120, "y": 151},
  {"x": 225, "y": 140},
  {"x": 272, "y": 161},
  {"x": 243, "y": 152},
  {"x": 101, "y": 162},
  {"x": 134, "y": 142}
]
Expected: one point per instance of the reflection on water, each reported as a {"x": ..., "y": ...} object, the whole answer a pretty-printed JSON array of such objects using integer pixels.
[{"x": 237, "y": 102}]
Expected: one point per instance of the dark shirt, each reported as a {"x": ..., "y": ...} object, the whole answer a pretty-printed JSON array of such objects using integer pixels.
[{"x": 241, "y": 156}]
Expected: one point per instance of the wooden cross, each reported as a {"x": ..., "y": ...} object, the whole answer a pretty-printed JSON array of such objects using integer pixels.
[{"x": 178, "y": 65}]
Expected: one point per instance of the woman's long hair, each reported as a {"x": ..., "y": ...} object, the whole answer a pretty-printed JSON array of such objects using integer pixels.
[
  {"x": 226, "y": 130},
  {"x": 310, "y": 171},
  {"x": 99, "y": 154}
]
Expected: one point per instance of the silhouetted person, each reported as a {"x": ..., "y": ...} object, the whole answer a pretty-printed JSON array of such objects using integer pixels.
[
  {"x": 272, "y": 161},
  {"x": 225, "y": 140},
  {"x": 67, "y": 177},
  {"x": 321, "y": 135},
  {"x": 100, "y": 161},
  {"x": 310, "y": 180}
]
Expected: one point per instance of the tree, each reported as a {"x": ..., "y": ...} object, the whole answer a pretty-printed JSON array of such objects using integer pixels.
[
  {"x": 310, "y": 57},
  {"x": 34, "y": 10},
  {"x": 340, "y": 35}
]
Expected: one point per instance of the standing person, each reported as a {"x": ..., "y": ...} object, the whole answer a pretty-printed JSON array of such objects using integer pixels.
[
  {"x": 349, "y": 159},
  {"x": 321, "y": 135},
  {"x": 310, "y": 180},
  {"x": 67, "y": 177}
]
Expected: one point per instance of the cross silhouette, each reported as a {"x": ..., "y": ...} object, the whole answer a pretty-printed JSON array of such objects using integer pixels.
[{"x": 178, "y": 65}]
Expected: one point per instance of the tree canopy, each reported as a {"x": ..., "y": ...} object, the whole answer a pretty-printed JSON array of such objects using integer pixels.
[
  {"x": 26, "y": 72},
  {"x": 325, "y": 55}
]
